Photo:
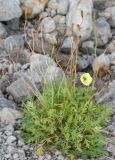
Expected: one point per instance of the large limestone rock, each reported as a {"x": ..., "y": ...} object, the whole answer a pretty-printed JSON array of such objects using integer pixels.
[
  {"x": 9, "y": 9},
  {"x": 31, "y": 8},
  {"x": 80, "y": 14}
]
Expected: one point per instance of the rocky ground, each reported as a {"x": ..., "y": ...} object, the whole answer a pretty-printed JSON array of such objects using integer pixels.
[{"x": 29, "y": 30}]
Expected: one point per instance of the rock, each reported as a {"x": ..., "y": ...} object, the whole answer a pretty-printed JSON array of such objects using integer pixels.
[
  {"x": 40, "y": 45},
  {"x": 111, "y": 127},
  {"x": 9, "y": 10},
  {"x": 68, "y": 44},
  {"x": 61, "y": 6},
  {"x": 4, "y": 64},
  {"x": 83, "y": 62},
  {"x": 3, "y": 32},
  {"x": 5, "y": 81},
  {"x": 9, "y": 115},
  {"x": 50, "y": 37},
  {"x": 88, "y": 47},
  {"x": 47, "y": 25},
  {"x": 111, "y": 46},
  {"x": 11, "y": 139},
  {"x": 80, "y": 14},
  {"x": 59, "y": 19},
  {"x": 48, "y": 157},
  {"x": 103, "y": 32},
  {"x": 21, "y": 153},
  {"x": 53, "y": 12},
  {"x": 109, "y": 14},
  {"x": 101, "y": 65},
  {"x": 103, "y": 4},
  {"x": 13, "y": 44},
  {"x": 31, "y": 8},
  {"x": 112, "y": 58},
  {"x": 108, "y": 96},
  {"x": 43, "y": 15},
  {"x": 21, "y": 89},
  {"x": 13, "y": 24},
  {"x": 4, "y": 103},
  {"x": 111, "y": 146},
  {"x": 23, "y": 56},
  {"x": 43, "y": 68}
]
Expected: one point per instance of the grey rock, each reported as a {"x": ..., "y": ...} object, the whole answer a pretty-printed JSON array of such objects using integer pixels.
[
  {"x": 61, "y": 6},
  {"x": 112, "y": 58},
  {"x": 9, "y": 9},
  {"x": 114, "y": 118},
  {"x": 3, "y": 32},
  {"x": 101, "y": 5},
  {"x": 111, "y": 127},
  {"x": 47, "y": 25},
  {"x": 59, "y": 19},
  {"x": 41, "y": 158},
  {"x": 69, "y": 44},
  {"x": 40, "y": 45},
  {"x": 13, "y": 24},
  {"x": 11, "y": 139},
  {"x": 88, "y": 47},
  {"x": 108, "y": 96},
  {"x": 23, "y": 56},
  {"x": 111, "y": 146},
  {"x": 13, "y": 44},
  {"x": 10, "y": 115},
  {"x": 103, "y": 32},
  {"x": 111, "y": 46},
  {"x": 5, "y": 82},
  {"x": 43, "y": 15},
  {"x": 109, "y": 14},
  {"x": 9, "y": 127},
  {"x": 15, "y": 156},
  {"x": 4, "y": 103},
  {"x": 82, "y": 63},
  {"x": 48, "y": 157},
  {"x": 50, "y": 37},
  {"x": 21, "y": 153},
  {"x": 53, "y": 12},
  {"x": 43, "y": 68},
  {"x": 21, "y": 89}
]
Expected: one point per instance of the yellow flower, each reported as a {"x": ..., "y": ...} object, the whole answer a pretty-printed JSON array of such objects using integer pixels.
[{"x": 86, "y": 79}]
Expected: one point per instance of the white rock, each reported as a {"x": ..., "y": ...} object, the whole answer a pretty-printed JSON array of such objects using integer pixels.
[
  {"x": 9, "y": 9},
  {"x": 74, "y": 18},
  {"x": 47, "y": 25}
]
